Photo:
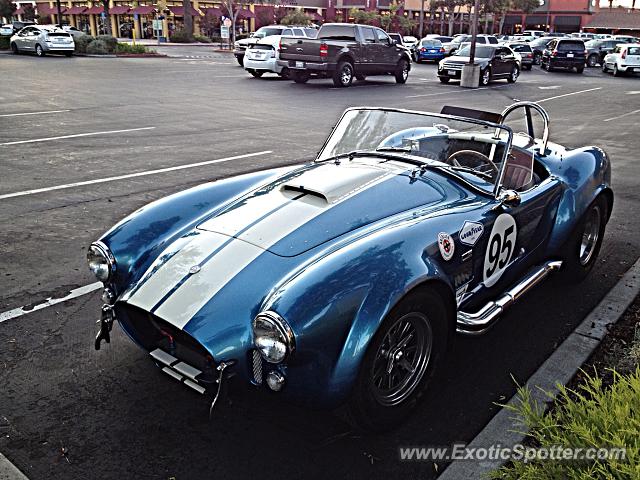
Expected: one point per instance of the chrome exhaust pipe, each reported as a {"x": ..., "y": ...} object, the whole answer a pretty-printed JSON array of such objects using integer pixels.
[{"x": 480, "y": 321}]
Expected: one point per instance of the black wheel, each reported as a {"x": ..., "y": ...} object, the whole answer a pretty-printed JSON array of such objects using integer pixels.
[
  {"x": 537, "y": 58},
  {"x": 616, "y": 72},
  {"x": 485, "y": 76},
  {"x": 513, "y": 76},
  {"x": 527, "y": 67},
  {"x": 604, "y": 67},
  {"x": 39, "y": 51},
  {"x": 343, "y": 76},
  {"x": 255, "y": 73},
  {"x": 14, "y": 49},
  {"x": 240, "y": 61},
  {"x": 580, "y": 69},
  {"x": 300, "y": 77},
  {"x": 400, "y": 361},
  {"x": 549, "y": 67},
  {"x": 402, "y": 71},
  {"x": 582, "y": 248},
  {"x": 361, "y": 77},
  {"x": 68, "y": 54},
  {"x": 417, "y": 60},
  {"x": 285, "y": 73},
  {"x": 592, "y": 60},
  {"x": 444, "y": 79}
]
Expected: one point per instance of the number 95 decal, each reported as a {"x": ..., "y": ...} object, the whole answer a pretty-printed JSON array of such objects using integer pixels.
[{"x": 502, "y": 243}]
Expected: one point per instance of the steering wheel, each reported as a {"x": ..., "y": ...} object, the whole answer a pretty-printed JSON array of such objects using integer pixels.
[{"x": 453, "y": 159}]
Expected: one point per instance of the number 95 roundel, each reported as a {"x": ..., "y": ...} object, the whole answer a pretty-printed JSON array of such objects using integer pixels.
[{"x": 502, "y": 243}]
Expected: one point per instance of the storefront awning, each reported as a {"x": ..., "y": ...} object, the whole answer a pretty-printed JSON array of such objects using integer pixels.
[
  {"x": 536, "y": 20},
  {"x": 143, "y": 10},
  {"x": 618, "y": 19},
  {"x": 568, "y": 20},
  {"x": 243, "y": 13},
  {"x": 119, "y": 10},
  {"x": 76, "y": 10},
  {"x": 95, "y": 10},
  {"x": 512, "y": 20},
  {"x": 44, "y": 9},
  {"x": 179, "y": 11},
  {"x": 213, "y": 12}
]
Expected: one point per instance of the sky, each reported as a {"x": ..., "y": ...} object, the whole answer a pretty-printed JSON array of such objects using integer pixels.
[{"x": 623, "y": 3}]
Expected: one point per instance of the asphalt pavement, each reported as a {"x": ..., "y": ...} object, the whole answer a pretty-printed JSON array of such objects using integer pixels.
[{"x": 85, "y": 141}]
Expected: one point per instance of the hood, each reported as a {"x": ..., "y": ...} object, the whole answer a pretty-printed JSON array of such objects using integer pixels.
[
  {"x": 320, "y": 202},
  {"x": 247, "y": 41},
  {"x": 462, "y": 60}
]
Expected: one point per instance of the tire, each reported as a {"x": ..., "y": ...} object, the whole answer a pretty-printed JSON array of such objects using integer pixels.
[
  {"x": 537, "y": 59},
  {"x": 527, "y": 67},
  {"x": 240, "y": 61},
  {"x": 549, "y": 67},
  {"x": 592, "y": 60},
  {"x": 285, "y": 73},
  {"x": 582, "y": 248},
  {"x": 255, "y": 73},
  {"x": 616, "y": 72},
  {"x": 361, "y": 77},
  {"x": 14, "y": 49},
  {"x": 39, "y": 51},
  {"x": 343, "y": 76},
  {"x": 374, "y": 407},
  {"x": 604, "y": 67},
  {"x": 68, "y": 54},
  {"x": 402, "y": 71},
  {"x": 300, "y": 77},
  {"x": 485, "y": 77},
  {"x": 444, "y": 79},
  {"x": 513, "y": 76},
  {"x": 580, "y": 69}
]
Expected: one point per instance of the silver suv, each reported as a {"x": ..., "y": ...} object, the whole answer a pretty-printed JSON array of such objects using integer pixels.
[{"x": 41, "y": 40}]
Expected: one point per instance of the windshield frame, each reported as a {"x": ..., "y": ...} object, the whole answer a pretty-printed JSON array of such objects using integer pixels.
[{"x": 497, "y": 187}]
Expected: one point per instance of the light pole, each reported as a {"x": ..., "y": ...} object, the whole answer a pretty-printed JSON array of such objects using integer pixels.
[
  {"x": 470, "y": 77},
  {"x": 59, "y": 13},
  {"x": 474, "y": 32}
]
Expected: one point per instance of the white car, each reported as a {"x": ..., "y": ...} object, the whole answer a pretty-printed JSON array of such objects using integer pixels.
[
  {"x": 41, "y": 40},
  {"x": 6, "y": 30},
  {"x": 262, "y": 57},
  {"x": 409, "y": 41},
  {"x": 625, "y": 58}
]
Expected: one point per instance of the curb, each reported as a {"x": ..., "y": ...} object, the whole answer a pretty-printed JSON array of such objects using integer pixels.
[
  {"x": 560, "y": 367},
  {"x": 8, "y": 470}
]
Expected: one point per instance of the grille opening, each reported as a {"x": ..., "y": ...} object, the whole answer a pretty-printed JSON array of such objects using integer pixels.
[{"x": 302, "y": 189}]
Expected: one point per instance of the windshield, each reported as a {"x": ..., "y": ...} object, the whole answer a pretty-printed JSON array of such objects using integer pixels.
[
  {"x": 433, "y": 140},
  {"x": 267, "y": 32},
  {"x": 460, "y": 39},
  {"x": 481, "y": 51}
]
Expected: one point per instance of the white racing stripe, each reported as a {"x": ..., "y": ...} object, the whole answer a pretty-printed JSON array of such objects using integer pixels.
[
  {"x": 131, "y": 175},
  {"x": 77, "y": 135},
  {"x": 24, "y": 114},
  {"x": 77, "y": 292}
]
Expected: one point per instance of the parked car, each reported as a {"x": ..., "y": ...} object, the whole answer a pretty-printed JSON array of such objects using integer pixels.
[
  {"x": 73, "y": 31},
  {"x": 42, "y": 40},
  {"x": 496, "y": 62},
  {"x": 240, "y": 46},
  {"x": 409, "y": 41},
  {"x": 525, "y": 52},
  {"x": 20, "y": 24},
  {"x": 625, "y": 58},
  {"x": 625, "y": 39},
  {"x": 342, "y": 52},
  {"x": 429, "y": 49},
  {"x": 567, "y": 53},
  {"x": 399, "y": 40},
  {"x": 534, "y": 33},
  {"x": 522, "y": 38},
  {"x": 583, "y": 35},
  {"x": 597, "y": 49},
  {"x": 6, "y": 30},
  {"x": 458, "y": 40},
  {"x": 538, "y": 46},
  {"x": 262, "y": 57},
  {"x": 342, "y": 281}
]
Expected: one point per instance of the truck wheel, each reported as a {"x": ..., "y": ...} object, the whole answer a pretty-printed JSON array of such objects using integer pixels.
[
  {"x": 592, "y": 61},
  {"x": 580, "y": 69},
  {"x": 300, "y": 77},
  {"x": 444, "y": 79},
  {"x": 400, "y": 362},
  {"x": 255, "y": 73},
  {"x": 402, "y": 71},
  {"x": 582, "y": 248},
  {"x": 343, "y": 76},
  {"x": 285, "y": 73}
]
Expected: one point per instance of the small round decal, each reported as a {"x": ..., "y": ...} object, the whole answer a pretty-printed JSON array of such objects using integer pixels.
[{"x": 446, "y": 245}]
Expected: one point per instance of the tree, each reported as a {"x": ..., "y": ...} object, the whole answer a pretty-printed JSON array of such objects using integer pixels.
[
  {"x": 105, "y": 8},
  {"x": 527, "y": 6},
  {"x": 297, "y": 17},
  {"x": 7, "y": 9},
  {"x": 364, "y": 17},
  {"x": 188, "y": 19},
  {"x": 29, "y": 13}
]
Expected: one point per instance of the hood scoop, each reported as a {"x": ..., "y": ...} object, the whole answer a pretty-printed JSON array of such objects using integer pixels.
[{"x": 332, "y": 182}]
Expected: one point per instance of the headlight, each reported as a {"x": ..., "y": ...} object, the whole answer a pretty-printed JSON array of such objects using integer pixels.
[
  {"x": 273, "y": 337},
  {"x": 101, "y": 261}
]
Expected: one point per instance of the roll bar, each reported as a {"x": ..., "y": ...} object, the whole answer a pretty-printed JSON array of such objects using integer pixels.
[{"x": 527, "y": 111}]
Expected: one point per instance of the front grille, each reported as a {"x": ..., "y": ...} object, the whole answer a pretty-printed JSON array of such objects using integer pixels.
[
  {"x": 256, "y": 362},
  {"x": 452, "y": 66}
]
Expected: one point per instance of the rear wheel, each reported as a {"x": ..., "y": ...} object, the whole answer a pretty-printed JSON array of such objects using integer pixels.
[
  {"x": 285, "y": 73},
  {"x": 240, "y": 60},
  {"x": 582, "y": 248},
  {"x": 300, "y": 76},
  {"x": 39, "y": 51},
  {"x": 400, "y": 361},
  {"x": 255, "y": 73},
  {"x": 402, "y": 71},
  {"x": 485, "y": 76},
  {"x": 592, "y": 60},
  {"x": 14, "y": 49},
  {"x": 527, "y": 67},
  {"x": 513, "y": 76},
  {"x": 604, "y": 67},
  {"x": 68, "y": 54},
  {"x": 616, "y": 72},
  {"x": 444, "y": 79},
  {"x": 343, "y": 76},
  {"x": 537, "y": 58},
  {"x": 580, "y": 69}
]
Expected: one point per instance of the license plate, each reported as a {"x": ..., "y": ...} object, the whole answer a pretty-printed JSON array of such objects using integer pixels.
[
  {"x": 569, "y": 55},
  {"x": 299, "y": 64},
  {"x": 432, "y": 51},
  {"x": 451, "y": 72}
]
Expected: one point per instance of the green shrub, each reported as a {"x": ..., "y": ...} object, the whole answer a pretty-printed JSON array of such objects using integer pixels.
[
  {"x": 127, "y": 48},
  {"x": 590, "y": 416},
  {"x": 97, "y": 47},
  {"x": 4, "y": 42},
  {"x": 180, "y": 36},
  {"x": 110, "y": 42},
  {"x": 82, "y": 42},
  {"x": 201, "y": 39}
]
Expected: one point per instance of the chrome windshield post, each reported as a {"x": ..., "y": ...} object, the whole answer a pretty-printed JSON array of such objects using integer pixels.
[{"x": 530, "y": 131}]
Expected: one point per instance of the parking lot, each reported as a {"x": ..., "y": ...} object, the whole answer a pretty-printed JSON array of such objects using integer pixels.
[{"x": 85, "y": 141}]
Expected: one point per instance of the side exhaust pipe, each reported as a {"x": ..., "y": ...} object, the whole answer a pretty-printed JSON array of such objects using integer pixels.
[{"x": 480, "y": 321}]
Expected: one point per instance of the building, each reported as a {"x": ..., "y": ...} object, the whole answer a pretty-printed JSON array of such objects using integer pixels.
[
  {"x": 619, "y": 21},
  {"x": 553, "y": 16}
]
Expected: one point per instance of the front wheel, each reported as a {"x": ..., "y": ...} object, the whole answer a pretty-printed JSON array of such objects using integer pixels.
[
  {"x": 604, "y": 67},
  {"x": 68, "y": 54},
  {"x": 402, "y": 71},
  {"x": 513, "y": 76},
  {"x": 14, "y": 49},
  {"x": 400, "y": 361},
  {"x": 485, "y": 77},
  {"x": 39, "y": 51},
  {"x": 582, "y": 248},
  {"x": 343, "y": 76},
  {"x": 592, "y": 61},
  {"x": 616, "y": 72}
]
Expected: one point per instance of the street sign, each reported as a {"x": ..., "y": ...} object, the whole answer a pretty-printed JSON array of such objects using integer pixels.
[
  {"x": 227, "y": 22},
  {"x": 135, "y": 16},
  {"x": 157, "y": 24},
  {"x": 224, "y": 32}
]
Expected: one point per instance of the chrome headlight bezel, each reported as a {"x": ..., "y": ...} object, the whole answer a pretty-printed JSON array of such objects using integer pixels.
[
  {"x": 269, "y": 327},
  {"x": 101, "y": 261}
]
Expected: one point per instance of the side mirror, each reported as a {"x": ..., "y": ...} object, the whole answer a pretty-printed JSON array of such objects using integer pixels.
[{"x": 509, "y": 198}]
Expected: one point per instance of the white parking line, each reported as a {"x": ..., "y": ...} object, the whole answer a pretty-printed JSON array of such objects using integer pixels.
[
  {"x": 8, "y": 471},
  {"x": 568, "y": 94},
  {"x": 77, "y": 292},
  {"x": 32, "y": 113},
  {"x": 455, "y": 91},
  {"x": 622, "y": 116},
  {"x": 47, "y": 139},
  {"x": 130, "y": 175}
]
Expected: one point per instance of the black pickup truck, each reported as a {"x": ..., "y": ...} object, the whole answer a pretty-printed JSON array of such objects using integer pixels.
[{"x": 342, "y": 51}]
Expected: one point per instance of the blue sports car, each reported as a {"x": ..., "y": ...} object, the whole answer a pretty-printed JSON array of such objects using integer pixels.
[
  {"x": 429, "y": 49},
  {"x": 342, "y": 282}
]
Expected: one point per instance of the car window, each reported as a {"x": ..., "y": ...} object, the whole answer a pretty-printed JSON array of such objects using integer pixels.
[
  {"x": 552, "y": 44},
  {"x": 520, "y": 48},
  {"x": 382, "y": 37},
  {"x": 298, "y": 32},
  {"x": 568, "y": 46},
  {"x": 431, "y": 42},
  {"x": 369, "y": 35},
  {"x": 493, "y": 40},
  {"x": 311, "y": 32},
  {"x": 633, "y": 51},
  {"x": 287, "y": 31},
  {"x": 338, "y": 32}
]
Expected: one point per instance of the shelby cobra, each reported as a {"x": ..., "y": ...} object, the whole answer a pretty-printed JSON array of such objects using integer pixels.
[{"x": 343, "y": 281}]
